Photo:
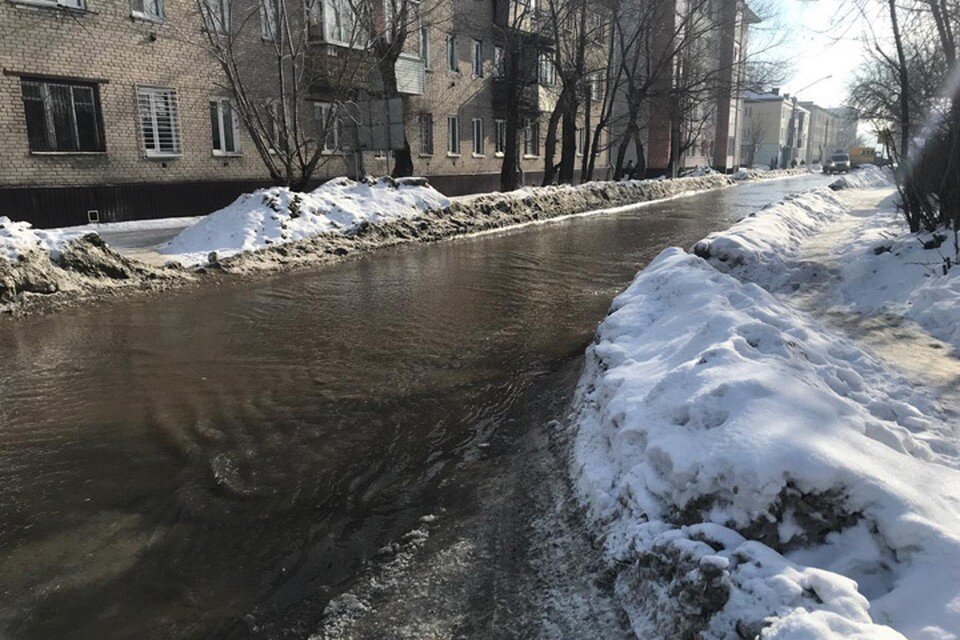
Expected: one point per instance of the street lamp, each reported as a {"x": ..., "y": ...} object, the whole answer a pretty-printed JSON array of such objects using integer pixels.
[{"x": 793, "y": 119}]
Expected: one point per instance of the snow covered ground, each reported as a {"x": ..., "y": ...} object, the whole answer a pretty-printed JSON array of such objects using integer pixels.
[
  {"x": 760, "y": 173},
  {"x": 865, "y": 177},
  {"x": 278, "y": 215},
  {"x": 752, "y": 471}
]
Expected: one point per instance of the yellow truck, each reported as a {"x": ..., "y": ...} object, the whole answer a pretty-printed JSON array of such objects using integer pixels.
[{"x": 862, "y": 155}]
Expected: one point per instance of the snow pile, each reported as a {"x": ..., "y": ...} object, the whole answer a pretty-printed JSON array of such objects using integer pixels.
[
  {"x": 866, "y": 177},
  {"x": 887, "y": 269},
  {"x": 752, "y": 472},
  {"x": 759, "y": 246},
  {"x": 697, "y": 172},
  {"x": 278, "y": 215},
  {"x": 20, "y": 238},
  {"x": 760, "y": 173}
]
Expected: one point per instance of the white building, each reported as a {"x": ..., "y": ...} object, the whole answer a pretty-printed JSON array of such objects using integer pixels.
[{"x": 775, "y": 130}]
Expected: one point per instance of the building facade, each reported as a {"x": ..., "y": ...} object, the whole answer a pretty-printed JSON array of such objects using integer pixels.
[
  {"x": 697, "y": 111},
  {"x": 824, "y": 138},
  {"x": 113, "y": 109},
  {"x": 775, "y": 130}
]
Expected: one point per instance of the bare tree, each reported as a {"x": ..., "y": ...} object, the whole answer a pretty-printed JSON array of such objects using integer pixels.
[{"x": 296, "y": 99}]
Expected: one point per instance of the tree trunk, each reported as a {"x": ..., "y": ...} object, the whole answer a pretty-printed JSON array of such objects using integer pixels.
[
  {"x": 550, "y": 144},
  {"x": 510, "y": 169}
]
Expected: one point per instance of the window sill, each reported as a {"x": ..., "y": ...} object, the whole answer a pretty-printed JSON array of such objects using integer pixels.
[
  {"x": 143, "y": 17},
  {"x": 528, "y": 156},
  {"x": 451, "y": 154},
  {"x": 426, "y": 155},
  {"x": 39, "y": 4},
  {"x": 498, "y": 154},
  {"x": 163, "y": 156},
  {"x": 479, "y": 155},
  {"x": 226, "y": 154},
  {"x": 68, "y": 153}
]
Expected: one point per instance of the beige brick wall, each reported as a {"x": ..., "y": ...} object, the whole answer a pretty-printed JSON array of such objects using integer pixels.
[{"x": 106, "y": 43}]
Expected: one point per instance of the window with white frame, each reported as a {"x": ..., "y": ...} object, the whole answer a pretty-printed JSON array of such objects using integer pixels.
[
  {"x": 147, "y": 9},
  {"x": 500, "y": 143},
  {"x": 579, "y": 141},
  {"x": 531, "y": 138},
  {"x": 596, "y": 87},
  {"x": 216, "y": 15},
  {"x": 159, "y": 122},
  {"x": 224, "y": 127},
  {"x": 62, "y": 115},
  {"x": 426, "y": 134},
  {"x": 547, "y": 70},
  {"x": 341, "y": 22},
  {"x": 452, "y": 53},
  {"x": 269, "y": 19},
  {"x": 499, "y": 62},
  {"x": 425, "y": 46},
  {"x": 477, "y": 61},
  {"x": 328, "y": 126},
  {"x": 477, "y": 129},
  {"x": 453, "y": 135},
  {"x": 66, "y": 4}
]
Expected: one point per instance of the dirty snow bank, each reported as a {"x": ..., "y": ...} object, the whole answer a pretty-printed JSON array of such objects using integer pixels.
[
  {"x": 20, "y": 238},
  {"x": 758, "y": 173},
  {"x": 268, "y": 236},
  {"x": 37, "y": 261},
  {"x": 866, "y": 177},
  {"x": 754, "y": 475},
  {"x": 278, "y": 215},
  {"x": 887, "y": 269},
  {"x": 760, "y": 246}
]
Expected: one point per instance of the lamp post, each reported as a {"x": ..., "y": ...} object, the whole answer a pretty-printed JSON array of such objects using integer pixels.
[{"x": 791, "y": 135}]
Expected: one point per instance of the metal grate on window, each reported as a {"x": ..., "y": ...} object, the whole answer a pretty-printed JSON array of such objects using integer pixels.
[{"x": 159, "y": 122}]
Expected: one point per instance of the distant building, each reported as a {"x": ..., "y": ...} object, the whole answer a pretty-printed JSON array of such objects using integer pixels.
[
  {"x": 847, "y": 120},
  {"x": 718, "y": 119},
  {"x": 776, "y": 130},
  {"x": 825, "y": 131}
]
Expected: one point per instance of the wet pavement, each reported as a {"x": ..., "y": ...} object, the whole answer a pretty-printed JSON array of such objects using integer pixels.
[{"x": 219, "y": 462}]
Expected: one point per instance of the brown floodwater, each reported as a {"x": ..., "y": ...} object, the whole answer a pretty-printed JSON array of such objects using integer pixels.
[{"x": 181, "y": 466}]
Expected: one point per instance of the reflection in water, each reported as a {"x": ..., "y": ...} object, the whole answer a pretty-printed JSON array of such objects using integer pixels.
[{"x": 169, "y": 466}]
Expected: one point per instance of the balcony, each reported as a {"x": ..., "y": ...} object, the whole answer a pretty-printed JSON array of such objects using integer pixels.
[{"x": 531, "y": 98}]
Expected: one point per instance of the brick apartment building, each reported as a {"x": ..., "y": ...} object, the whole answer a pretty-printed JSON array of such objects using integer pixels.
[
  {"x": 109, "y": 110},
  {"x": 719, "y": 56}
]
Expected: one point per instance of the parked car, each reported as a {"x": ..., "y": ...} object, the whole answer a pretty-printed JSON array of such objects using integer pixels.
[{"x": 838, "y": 163}]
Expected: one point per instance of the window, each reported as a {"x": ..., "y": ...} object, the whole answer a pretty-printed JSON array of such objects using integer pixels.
[
  {"x": 453, "y": 135},
  {"x": 426, "y": 134},
  {"x": 425, "y": 46},
  {"x": 62, "y": 116},
  {"x": 276, "y": 123},
  {"x": 499, "y": 63},
  {"x": 596, "y": 87},
  {"x": 147, "y": 9},
  {"x": 340, "y": 22},
  {"x": 531, "y": 138},
  {"x": 216, "y": 15},
  {"x": 159, "y": 126},
  {"x": 477, "y": 59},
  {"x": 579, "y": 141},
  {"x": 328, "y": 125},
  {"x": 477, "y": 127},
  {"x": 500, "y": 145},
  {"x": 269, "y": 13},
  {"x": 598, "y": 30},
  {"x": 547, "y": 71},
  {"x": 452, "y": 53},
  {"x": 67, "y": 4},
  {"x": 224, "y": 127}
]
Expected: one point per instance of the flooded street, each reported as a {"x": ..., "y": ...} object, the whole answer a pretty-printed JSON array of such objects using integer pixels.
[{"x": 218, "y": 462}]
